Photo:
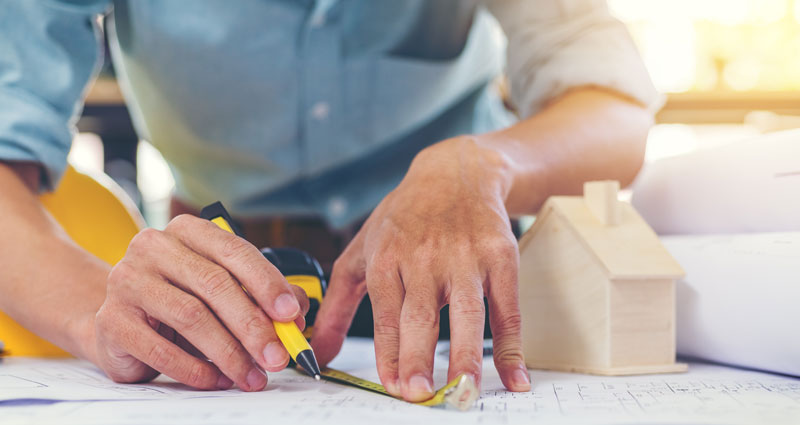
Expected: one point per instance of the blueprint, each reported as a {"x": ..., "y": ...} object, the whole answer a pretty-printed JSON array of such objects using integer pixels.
[{"x": 707, "y": 394}]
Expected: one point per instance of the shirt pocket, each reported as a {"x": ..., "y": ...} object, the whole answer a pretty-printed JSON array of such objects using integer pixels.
[
  {"x": 418, "y": 90},
  {"x": 215, "y": 82}
]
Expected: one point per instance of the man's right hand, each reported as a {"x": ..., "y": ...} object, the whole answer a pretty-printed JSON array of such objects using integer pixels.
[{"x": 175, "y": 301}]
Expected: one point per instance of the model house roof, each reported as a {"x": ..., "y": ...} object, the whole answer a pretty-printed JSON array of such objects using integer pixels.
[{"x": 611, "y": 230}]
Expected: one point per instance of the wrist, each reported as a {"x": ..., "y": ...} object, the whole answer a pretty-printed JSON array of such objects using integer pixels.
[
  {"x": 468, "y": 159},
  {"x": 82, "y": 335}
]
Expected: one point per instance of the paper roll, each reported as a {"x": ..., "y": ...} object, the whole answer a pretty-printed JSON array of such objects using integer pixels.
[{"x": 742, "y": 187}]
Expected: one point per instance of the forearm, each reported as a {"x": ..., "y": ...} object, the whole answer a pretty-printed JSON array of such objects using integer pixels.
[
  {"x": 49, "y": 284},
  {"x": 587, "y": 134}
]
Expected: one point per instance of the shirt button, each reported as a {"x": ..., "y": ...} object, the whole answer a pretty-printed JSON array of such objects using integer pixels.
[
  {"x": 337, "y": 206},
  {"x": 320, "y": 111},
  {"x": 318, "y": 20}
]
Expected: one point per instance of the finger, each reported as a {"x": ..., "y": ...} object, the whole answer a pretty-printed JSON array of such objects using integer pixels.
[
  {"x": 346, "y": 290},
  {"x": 467, "y": 317},
  {"x": 504, "y": 319},
  {"x": 419, "y": 330},
  {"x": 386, "y": 293},
  {"x": 302, "y": 298},
  {"x": 195, "y": 322},
  {"x": 222, "y": 293},
  {"x": 305, "y": 305},
  {"x": 145, "y": 344},
  {"x": 256, "y": 274}
]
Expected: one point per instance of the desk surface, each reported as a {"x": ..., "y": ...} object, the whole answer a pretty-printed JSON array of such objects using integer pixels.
[{"x": 706, "y": 394}]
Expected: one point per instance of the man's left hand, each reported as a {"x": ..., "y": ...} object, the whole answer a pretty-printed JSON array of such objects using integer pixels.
[{"x": 441, "y": 237}]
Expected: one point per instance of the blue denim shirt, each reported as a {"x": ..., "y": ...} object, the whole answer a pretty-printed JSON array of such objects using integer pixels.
[{"x": 298, "y": 106}]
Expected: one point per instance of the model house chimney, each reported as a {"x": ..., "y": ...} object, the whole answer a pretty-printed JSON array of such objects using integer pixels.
[{"x": 601, "y": 198}]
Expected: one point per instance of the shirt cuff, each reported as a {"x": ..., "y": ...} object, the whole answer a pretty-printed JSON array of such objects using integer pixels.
[
  {"x": 33, "y": 131},
  {"x": 602, "y": 56}
]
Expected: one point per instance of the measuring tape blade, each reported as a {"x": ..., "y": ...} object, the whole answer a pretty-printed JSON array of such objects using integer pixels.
[{"x": 460, "y": 393}]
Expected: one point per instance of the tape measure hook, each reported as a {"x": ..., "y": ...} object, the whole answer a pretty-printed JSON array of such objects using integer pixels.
[{"x": 463, "y": 395}]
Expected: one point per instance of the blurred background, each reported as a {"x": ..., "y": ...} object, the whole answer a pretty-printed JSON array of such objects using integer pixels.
[{"x": 729, "y": 69}]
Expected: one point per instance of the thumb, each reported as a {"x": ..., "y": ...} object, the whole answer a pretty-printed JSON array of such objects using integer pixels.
[{"x": 347, "y": 288}]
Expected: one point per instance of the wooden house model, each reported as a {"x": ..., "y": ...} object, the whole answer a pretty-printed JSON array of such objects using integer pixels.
[{"x": 597, "y": 288}]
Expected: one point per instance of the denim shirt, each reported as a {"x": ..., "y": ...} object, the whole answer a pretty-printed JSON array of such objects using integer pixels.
[{"x": 305, "y": 107}]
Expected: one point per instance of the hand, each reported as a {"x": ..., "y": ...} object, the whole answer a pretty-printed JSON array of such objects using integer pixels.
[
  {"x": 441, "y": 237},
  {"x": 176, "y": 299}
]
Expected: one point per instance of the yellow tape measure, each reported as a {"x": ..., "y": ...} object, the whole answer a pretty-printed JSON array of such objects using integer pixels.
[
  {"x": 302, "y": 270},
  {"x": 459, "y": 393}
]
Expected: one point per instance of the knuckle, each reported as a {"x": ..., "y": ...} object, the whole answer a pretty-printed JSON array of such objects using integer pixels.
[
  {"x": 502, "y": 248},
  {"x": 469, "y": 308},
  {"x": 341, "y": 268},
  {"x": 196, "y": 376},
  {"x": 160, "y": 357},
  {"x": 344, "y": 275},
  {"x": 382, "y": 262},
  {"x": 109, "y": 315},
  {"x": 421, "y": 317},
  {"x": 506, "y": 354},
  {"x": 468, "y": 304},
  {"x": 256, "y": 327},
  {"x": 471, "y": 358},
  {"x": 510, "y": 323},
  {"x": 464, "y": 249},
  {"x": 426, "y": 252},
  {"x": 388, "y": 363},
  {"x": 188, "y": 313},
  {"x": 103, "y": 320},
  {"x": 381, "y": 288},
  {"x": 230, "y": 353},
  {"x": 121, "y": 273},
  {"x": 386, "y": 323},
  {"x": 215, "y": 281},
  {"x": 235, "y": 247},
  {"x": 146, "y": 239},
  {"x": 181, "y": 222}
]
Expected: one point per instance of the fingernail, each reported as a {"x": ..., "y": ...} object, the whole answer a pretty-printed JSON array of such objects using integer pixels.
[
  {"x": 256, "y": 380},
  {"x": 275, "y": 355},
  {"x": 521, "y": 379},
  {"x": 419, "y": 388},
  {"x": 224, "y": 383},
  {"x": 393, "y": 387},
  {"x": 300, "y": 322},
  {"x": 286, "y": 306}
]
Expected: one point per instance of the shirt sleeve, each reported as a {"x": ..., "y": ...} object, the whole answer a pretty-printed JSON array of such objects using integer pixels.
[
  {"x": 49, "y": 51},
  {"x": 556, "y": 45}
]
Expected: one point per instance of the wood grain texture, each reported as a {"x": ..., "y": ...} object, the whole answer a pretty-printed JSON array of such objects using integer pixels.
[
  {"x": 563, "y": 300},
  {"x": 602, "y": 200},
  {"x": 628, "y": 250},
  {"x": 642, "y": 326}
]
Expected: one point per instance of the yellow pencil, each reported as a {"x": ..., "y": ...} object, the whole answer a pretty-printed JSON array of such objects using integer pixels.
[{"x": 290, "y": 335}]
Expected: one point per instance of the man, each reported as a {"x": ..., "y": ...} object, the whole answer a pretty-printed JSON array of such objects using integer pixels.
[{"x": 333, "y": 110}]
